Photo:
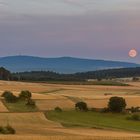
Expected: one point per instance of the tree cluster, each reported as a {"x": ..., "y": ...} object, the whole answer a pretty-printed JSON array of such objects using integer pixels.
[{"x": 23, "y": 96}]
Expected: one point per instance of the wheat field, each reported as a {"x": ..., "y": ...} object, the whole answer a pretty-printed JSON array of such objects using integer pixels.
[
  {"x": 50, "y": 104},
  {"x": 35, "y": 126},
  {"x": 3, "y": 107},
  {"x": 64, "y": 138}
]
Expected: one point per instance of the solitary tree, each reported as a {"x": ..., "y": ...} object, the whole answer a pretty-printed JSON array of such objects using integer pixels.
[
  {"x": 116, "y": 104},
  {"x": 58, "y": 109},
  {"x": 82, "y": 106}
]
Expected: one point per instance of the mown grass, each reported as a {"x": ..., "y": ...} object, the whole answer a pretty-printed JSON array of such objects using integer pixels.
[
  {"x": 20, "y": 106},
  {"x": 94, "y": 120}
]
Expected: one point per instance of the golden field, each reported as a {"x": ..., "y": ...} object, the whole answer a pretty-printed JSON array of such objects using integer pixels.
[
  {"x": 64, "y": 138},
  {"x": 50, "y": 104},
  {"x": 34, "y": 126},
  {"x": 3, "y": 107}
]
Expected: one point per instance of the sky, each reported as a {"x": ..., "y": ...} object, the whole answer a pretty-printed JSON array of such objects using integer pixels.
[{"x": 96, "y": 29}]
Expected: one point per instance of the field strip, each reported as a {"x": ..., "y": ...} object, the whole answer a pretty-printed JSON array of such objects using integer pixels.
[
  {"x": 53, "y": 91},
  {"x": 28, "y": 123},
  {"x": 97, "y": 132},
  {"x": 3, "y": 108},
  {"x": 28, "y": 118},
  {"x": 52, "y": 103},
  {"x": 65, "y": 138},
  {"x": 36, "y": 124}
]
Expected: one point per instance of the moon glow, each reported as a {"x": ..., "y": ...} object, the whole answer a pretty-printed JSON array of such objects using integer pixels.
[{"x": 133, "y": 53}]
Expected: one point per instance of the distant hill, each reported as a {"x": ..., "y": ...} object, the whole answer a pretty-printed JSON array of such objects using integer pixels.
[{"x": 61, "y": 65}]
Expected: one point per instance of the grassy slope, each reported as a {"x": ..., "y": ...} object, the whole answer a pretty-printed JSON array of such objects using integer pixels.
[
  {"x": 94, "y": 120},
  {"x": 19, "y": 106}
]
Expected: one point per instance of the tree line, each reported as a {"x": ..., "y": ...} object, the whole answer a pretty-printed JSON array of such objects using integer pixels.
[
  {"x": 81, "y": 76},
  {"x": 100, "y": 74}
]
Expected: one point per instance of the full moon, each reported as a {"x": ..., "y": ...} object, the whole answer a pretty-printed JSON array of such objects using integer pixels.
[{"x": 133, "y": 53}]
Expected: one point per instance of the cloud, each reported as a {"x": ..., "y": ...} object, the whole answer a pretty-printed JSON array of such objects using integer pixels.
[
  {"x": 3, "y": 3},
  {"x": 42, "y": 7}
]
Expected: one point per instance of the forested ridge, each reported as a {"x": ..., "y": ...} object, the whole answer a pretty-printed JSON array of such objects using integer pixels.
[
  {"x": 53, "y": 76},
  {"x": 100, "y": 74}
]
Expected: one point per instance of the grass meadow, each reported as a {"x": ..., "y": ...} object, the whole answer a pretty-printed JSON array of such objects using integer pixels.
[{"x": 94, "y": 120}]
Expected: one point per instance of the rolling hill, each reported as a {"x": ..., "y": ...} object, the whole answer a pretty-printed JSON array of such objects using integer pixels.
[{"x": 61, "y": 64}]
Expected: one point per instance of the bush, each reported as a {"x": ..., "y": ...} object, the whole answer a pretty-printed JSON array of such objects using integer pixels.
[
  {"x": 10, "y": 129},
  {"x": 82, "y": 106},
  {"x": 25, "y": 95},
  {"x": 6, "y": 93},
  {"x": 58, "y": 109},
  {"x": 104, "y": 110},
  {"x": 116, "y": 104},
  {"x": 135, "y": 109},
  {"x": 7, "y": 130},
  {"x": 135, "y": 117},
  {"x": 31, "y": 102},
  {"x": 9, "y": 97}
]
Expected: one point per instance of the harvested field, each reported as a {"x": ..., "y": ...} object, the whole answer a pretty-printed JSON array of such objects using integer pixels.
[
  {"x": 35, "y": 124},
  {"x": 45, "y": 88},
  {"x": 48, "y": 96},
  {"x": 97, "y": 103},
  {"x": 40, "y": 95},
  {"x": 65, "y": 138},
  {"x": 95, "y": 96},
  {"x": 135, "y": 102},
  {"x": 28, "y": 123},
  {"x": 3, "y": 108},
  {"x": 51, "y": 104},
  {"x": 135, "y": 84},
  {"x": 101, "y": 103},
  {"x": 36, "y": 127},
  {"x": 33, "y": 87}
]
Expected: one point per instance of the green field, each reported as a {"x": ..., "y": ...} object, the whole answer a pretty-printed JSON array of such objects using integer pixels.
[
  {"x": 19, "y": 106},
  {"x": 94, "y": 120}
]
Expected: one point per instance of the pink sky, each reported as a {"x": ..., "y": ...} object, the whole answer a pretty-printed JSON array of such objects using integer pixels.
[{"x": 101, "y": 29}]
